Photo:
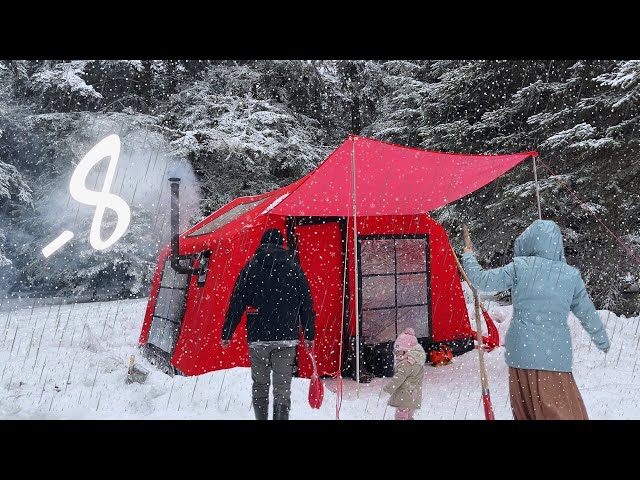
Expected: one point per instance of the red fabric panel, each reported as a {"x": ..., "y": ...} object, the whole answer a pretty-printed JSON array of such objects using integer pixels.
[
  {"x": 319, "y": 247},
  {"x": 392, "y": 180},
  {"x": 449, "y": 311}
]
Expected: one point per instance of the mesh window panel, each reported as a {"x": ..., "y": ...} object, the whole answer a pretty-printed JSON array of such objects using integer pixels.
[
  {"x": 378, "y": 292},
  {"x": 379, "y": 325},
  {"x": 394, "y": 287},
  {"x": 377, "y": 257},
  {"x": 412, "y": 289},
  {"x": 227, "y": 217},
  {"x": 163, "y": 334},
  {"x": 170, "y": 303},
  {"x": 416, "y": 318},
  {"x": 411, "y": 255}
]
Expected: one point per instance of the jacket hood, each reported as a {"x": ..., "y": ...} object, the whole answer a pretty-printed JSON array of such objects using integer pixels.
[
  {"x": 271, "y": 250},
  {"x": 272, "y": 237},
  {"x": 268, "y": 254},
  {"x": 418, "y": 354},
  {"x": 542, "y": 238}
]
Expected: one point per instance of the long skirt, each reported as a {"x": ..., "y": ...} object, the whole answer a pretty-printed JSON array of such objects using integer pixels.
[{"x": 545, "y": 395}]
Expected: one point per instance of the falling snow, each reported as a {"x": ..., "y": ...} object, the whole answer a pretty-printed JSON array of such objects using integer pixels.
[
  {"x": 69, "y": 361},
  {"x": 239, "y": 128}
]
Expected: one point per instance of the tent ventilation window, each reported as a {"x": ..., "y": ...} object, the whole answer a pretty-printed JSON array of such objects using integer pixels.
[
  {"x": 394, "y": 286},
  {"x": 227, "y": 217}
]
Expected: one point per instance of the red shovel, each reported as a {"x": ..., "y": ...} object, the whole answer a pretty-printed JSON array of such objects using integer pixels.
[{"x": 316, "y": 388}]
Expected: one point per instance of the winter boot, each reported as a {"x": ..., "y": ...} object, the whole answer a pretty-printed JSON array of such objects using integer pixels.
[
  {"x": 280, "y": 412},
  {"x": 261, "y": 408}
]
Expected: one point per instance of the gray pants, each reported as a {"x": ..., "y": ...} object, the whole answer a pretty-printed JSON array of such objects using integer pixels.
[{"x": 264, "y": 359}]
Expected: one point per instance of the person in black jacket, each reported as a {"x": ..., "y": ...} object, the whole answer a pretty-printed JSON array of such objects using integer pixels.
[{"x": 273, "y": 283}]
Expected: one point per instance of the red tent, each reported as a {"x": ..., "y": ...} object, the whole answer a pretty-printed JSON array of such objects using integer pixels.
[{"x": 406, "y": 273}]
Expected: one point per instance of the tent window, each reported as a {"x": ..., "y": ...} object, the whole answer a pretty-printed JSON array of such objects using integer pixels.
[
  {"x": 378, "y": 292},
  {"x": 170, "y": 304},
  {"x": 379, "y": 325},
  {"x": 227, "y": 217},
  {"x": 379, "y": 257},
  {"x": 394, "y": 286},
  {"x": 411, "y": 290}
]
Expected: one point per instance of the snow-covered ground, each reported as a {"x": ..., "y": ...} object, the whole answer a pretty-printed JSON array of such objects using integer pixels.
[{"x": 70, "y": 362}]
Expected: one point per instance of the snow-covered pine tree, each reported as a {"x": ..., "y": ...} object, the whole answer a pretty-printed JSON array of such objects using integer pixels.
[
  {"x": 399, "y": 113},
  {"x": 582, "y": 119},
  {"x": 14, "y": 191},
  {"x": 78, "y": 270},
  {"x": 361, "y": 84},
  {"x": 251, "y": 126},
  {"x": 241, "y": 129},
  {"x": 60, "y": 87}
]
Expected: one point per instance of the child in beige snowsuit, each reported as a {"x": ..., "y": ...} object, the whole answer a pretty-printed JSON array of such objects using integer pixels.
[{"x": 406, "y": 385}]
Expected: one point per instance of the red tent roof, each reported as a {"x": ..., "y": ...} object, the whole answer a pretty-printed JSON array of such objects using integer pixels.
[{"x": 391, "y": 179}]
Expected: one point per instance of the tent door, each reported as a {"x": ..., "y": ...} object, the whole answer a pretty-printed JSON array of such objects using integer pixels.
[
  {"x": 319, "y": 248},
  {"x": 394, "y": 293},
  {"x": 167, "y": 317}
]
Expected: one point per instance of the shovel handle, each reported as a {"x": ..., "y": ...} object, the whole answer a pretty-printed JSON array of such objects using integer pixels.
[{"x": 467, "y": 237}]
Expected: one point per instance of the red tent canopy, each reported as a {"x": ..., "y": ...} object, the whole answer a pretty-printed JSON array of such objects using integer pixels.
[
  {"x": 396, "y": 187},
  {"x": 391, "y": 179}
]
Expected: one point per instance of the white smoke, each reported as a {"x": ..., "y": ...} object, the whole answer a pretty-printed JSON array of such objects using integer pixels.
[{"x": 141, "y": 179}]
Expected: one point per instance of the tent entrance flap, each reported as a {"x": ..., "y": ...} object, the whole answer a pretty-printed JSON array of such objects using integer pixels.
[
  {"x": 167, "y": 316},
  {"x": 319, "y": 248},
  {"x": 394, "y": 286}
]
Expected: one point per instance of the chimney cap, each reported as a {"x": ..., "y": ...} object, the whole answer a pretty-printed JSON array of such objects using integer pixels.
[{"x": 174, "y": 179}]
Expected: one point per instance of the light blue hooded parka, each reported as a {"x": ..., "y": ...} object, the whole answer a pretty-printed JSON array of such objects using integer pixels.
[{"x": 544, "y": 288}]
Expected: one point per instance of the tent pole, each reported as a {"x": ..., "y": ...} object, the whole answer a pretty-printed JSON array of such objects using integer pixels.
[
  {"x": 535, "y": 179},
  {"x": 355, "y": 255}
]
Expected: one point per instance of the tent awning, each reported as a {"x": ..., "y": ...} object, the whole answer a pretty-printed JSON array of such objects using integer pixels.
[{"x": 392, "y": 179}]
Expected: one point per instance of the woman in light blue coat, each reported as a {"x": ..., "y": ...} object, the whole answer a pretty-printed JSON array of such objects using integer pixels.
[{"x": 544, "y": 289}]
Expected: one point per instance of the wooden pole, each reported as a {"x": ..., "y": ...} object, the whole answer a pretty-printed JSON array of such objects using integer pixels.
[{"x": 486, "y": 397}]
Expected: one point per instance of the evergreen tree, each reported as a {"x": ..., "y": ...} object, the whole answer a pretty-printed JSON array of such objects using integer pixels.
[
  {"x": 251, "y": 126},
  {"x": 399, "y": 115},
  {"x": 571, "y": 113},
  {"x": 13, "y": 192},
  {"x": 244, "y": 132}
]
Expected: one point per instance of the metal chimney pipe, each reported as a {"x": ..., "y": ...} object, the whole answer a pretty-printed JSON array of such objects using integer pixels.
[{"x": 175, "y": 225}]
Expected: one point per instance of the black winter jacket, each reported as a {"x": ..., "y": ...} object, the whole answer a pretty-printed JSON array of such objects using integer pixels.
[{"x": 274, "y": 284}]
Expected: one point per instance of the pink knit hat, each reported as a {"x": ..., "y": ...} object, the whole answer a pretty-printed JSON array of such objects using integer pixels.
[{"x": 406, "y": 340}]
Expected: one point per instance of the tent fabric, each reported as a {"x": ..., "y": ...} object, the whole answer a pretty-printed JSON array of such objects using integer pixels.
[
  {"x": 395, "y": 187},
  {"x": 392, "y": 179}
]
